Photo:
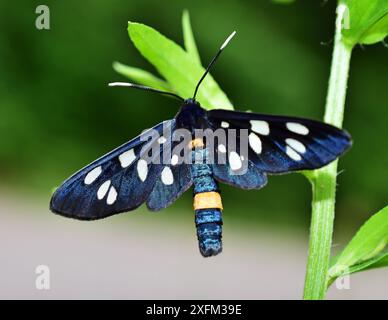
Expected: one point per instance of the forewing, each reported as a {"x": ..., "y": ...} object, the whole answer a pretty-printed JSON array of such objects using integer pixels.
[
  {"x": 117, "y": 182},
  {"x": 282, "y": 144}
]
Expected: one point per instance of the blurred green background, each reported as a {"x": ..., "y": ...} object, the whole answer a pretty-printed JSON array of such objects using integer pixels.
[{"x": 57, "y": 113}]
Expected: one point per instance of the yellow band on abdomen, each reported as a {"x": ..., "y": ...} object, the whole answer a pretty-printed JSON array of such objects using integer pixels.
[
  {"x": 196, "y": 143},
  {"x": 207, "y": 200}
]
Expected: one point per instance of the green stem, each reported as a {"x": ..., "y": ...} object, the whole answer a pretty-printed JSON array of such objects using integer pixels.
[{"x": 324, "y": 180}]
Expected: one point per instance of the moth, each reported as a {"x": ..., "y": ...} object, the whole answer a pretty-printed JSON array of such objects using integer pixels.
[{"x": 127, "y": 177}]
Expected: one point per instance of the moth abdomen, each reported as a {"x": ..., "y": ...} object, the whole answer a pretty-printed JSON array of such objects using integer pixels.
[
  {"x": 207, "y": 205},
  {"x": 209, "y": 231}
]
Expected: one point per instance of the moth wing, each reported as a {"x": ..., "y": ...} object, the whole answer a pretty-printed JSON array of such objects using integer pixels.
[
  {"x": 119, "y": 181},
  {"x": 276, "y": 144}
]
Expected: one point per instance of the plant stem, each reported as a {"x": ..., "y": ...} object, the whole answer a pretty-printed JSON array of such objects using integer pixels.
[{"x": 324, "y": 180}]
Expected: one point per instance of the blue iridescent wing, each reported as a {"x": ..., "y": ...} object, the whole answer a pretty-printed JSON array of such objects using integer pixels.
[
  {"x": 174, "y": 179},
  {"x": 280, "y": 144},
  {"x": 172, "y": 182},
  {"x": 253, "y": 178},
  {"x": 228, "y": 162},
  {"x": 117, "y": 182}
]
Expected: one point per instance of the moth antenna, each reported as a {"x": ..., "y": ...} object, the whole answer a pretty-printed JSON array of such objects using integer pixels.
[
  {"x": 145, "y": 88},
  {"x": 226, "y": 42}
]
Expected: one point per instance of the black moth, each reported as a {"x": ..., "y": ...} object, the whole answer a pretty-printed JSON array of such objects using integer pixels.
[{"x": 128, "y": 176}]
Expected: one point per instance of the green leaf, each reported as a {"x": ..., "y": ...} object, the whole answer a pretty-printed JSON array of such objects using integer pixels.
[
  {"x": 177, "y": 66},
  {"x": 142, "y": 77},
  {"x": 188, "y": 38},
  {"x": 364, "y": 251},
  {"x": 379, "y": 261},
  {"x": 365, "y": 21}
]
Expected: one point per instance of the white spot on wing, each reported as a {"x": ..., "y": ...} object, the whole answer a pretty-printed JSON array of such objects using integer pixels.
[
  {"x": 112, "y": 196},
  {"x": 224, "y": 124},
  {"x": 293, "y": 154},
  {"x": 103, "y": 189},
  {"x": 174, "y": 160},
  {"x": 167, "y": 176},
  {"x": 93, "y": 175},
  {"x": 297, "y": 128},
  {"x": 235, "y": 161},
  {"x": 162, "y": 140},
  {"x": 296, "y": 145},
  {"x": 126, "y": 158},
  {"x": 260, "y": 126},
  {"x": 221, "y": 148},
  {"x": 142, "y": 169},
  {"x": 255, "y": 143}
]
